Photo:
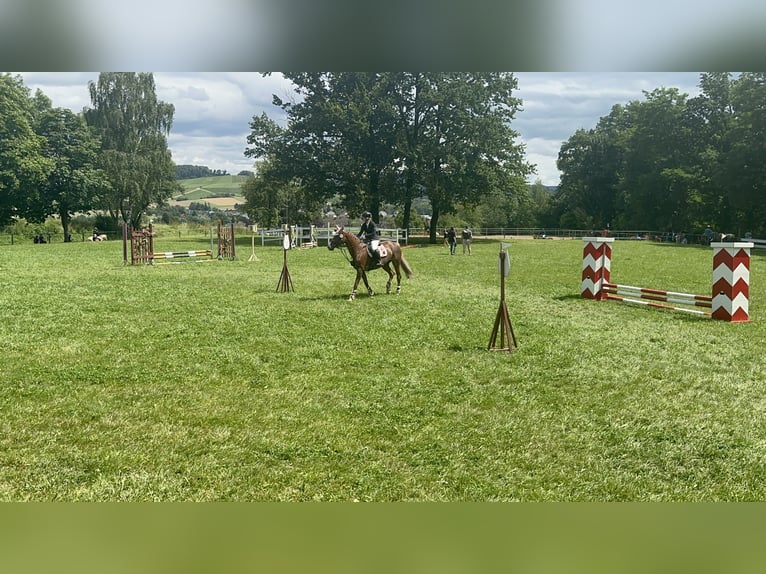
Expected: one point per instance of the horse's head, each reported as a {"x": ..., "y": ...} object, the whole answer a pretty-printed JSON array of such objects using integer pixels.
[{"x": 337, "y": 239}]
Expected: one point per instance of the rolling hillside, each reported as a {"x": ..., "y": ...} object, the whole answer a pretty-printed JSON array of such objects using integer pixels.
[{"x": 223, "y": 191}]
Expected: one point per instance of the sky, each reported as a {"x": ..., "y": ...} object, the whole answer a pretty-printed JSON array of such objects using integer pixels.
[{"x": 213, "y": 109}]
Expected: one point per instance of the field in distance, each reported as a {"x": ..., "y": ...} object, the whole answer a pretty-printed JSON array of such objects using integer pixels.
[{"x": 222, "y": 191}]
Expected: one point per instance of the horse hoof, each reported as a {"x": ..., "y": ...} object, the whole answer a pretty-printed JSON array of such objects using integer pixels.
[
  {"x": 372, "y": 293},
  {"x": 398, "y": 290},
  {"x": 352, "y": 297}
]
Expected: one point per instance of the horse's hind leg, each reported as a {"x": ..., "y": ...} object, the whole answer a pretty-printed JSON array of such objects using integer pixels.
[
  {"x": 387, "y": 268},
  {"x": 398, "y": 277}
]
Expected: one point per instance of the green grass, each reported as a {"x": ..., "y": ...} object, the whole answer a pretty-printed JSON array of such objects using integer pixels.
[{"x": 202, "y": 382}]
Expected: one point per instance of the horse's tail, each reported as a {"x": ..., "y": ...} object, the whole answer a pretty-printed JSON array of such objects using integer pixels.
[{"x": 407, "y": 269}]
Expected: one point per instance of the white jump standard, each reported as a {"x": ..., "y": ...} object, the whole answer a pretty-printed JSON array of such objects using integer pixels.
[{"x": 730, "y": 292}]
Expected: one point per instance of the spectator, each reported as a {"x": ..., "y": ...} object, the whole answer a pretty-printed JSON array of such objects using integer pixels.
[
  {"x": 467, "y": 236},
  {"x": 452, "y": 240}
]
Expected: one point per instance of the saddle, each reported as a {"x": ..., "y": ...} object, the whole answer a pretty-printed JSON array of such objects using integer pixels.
[{"x": 375, "y": 258}]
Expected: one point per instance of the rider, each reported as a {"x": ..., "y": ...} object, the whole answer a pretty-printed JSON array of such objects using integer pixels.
[{"x": 369, "y": 233}]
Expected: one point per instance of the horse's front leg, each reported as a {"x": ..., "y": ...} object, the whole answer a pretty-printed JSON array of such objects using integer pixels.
[
  {"x": 370, "y": 292},
  {"x": 356, "y": 284}
]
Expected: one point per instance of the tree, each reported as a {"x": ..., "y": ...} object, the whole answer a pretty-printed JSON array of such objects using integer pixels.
[
  {"x": 341, "y": 137},
  {"x": 710, "y": 116},
  {"x": 133, "y": 126},
  {"x": 657, "y": 180},
  {"x": 745, "y": 164},
  {"x": 74, "y": 183},
  {"x": 270, "y": 201},
  {"x": 469, "y": 149},
  {"x": 590, "y": 164},
  {"x": 23, "y": 167},
  {"x": 374, "y": 138}
]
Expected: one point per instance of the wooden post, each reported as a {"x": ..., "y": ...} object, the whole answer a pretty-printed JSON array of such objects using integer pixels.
[
  {"x": 124, "y": 243},
  {"x": 285, "y": 281},
  {"x": 252, "y": 243},
  {"x": 502, "y": 320}
]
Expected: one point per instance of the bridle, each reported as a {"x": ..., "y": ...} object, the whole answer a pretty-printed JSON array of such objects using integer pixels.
[{"x": 342, "y": 245}]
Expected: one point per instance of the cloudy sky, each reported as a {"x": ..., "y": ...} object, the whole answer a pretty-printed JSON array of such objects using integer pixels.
[{"x": 213, "y": 109}]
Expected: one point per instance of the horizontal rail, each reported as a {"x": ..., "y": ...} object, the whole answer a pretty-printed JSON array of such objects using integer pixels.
[
  {"x": 659, "y": 295},
  {"x": 611, "y": 297},
  {"x": 181, "y": 254}
]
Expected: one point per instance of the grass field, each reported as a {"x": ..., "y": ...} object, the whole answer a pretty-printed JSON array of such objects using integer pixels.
[{"x": 202, "y": 382}]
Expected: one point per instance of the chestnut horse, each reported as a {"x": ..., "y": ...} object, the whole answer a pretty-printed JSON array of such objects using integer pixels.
[{"x": 362, "y": 262}]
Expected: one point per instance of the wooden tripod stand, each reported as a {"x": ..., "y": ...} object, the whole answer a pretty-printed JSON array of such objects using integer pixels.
[
  {"x": 503, "y": 325},
  {"x": 285, "y": 281}
]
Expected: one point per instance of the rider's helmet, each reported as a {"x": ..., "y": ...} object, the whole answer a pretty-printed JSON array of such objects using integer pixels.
[{"x": 366, "y": 214}]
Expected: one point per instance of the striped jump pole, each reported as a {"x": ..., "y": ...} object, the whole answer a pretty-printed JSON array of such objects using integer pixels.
[
  {"x": 730, "y": 293},
  {"x": 184, "y": 254},
  {"x": 731, "y": 281},
  {"x": 657, "y": 298},
  {"x": 596, "y": 266}
]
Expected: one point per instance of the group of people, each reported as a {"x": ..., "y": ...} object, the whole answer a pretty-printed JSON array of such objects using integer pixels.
[{"x": 450, "y": 237}]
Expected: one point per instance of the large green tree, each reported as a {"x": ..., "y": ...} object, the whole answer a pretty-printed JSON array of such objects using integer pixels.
[
  {"x": 673, "y": 163},
  {"x": 74, "y": 184},
  {"x": 710, "y": 117},
  {"x": 468, "y": 149},
  {"x": 270, "y": 201},
  {"x": 23, "y": 166},
  {"x": 745, "y": 166},
  {"x": 133, "y": 125},
  {"x": 656, "y": 179},
  {"x": 371, "y": 138},
  {"x": 590, "y": 164}
]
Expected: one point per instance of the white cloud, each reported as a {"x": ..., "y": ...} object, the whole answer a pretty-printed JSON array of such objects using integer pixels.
[
  {"x": 557, "y": 104},
  {"x": 213, "y": 109}
]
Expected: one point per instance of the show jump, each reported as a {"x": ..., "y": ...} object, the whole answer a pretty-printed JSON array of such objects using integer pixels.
[{"x": 729, "y": 299}]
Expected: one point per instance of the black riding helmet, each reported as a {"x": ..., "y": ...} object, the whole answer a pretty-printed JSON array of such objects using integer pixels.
[{"x": 366, "y": 214}]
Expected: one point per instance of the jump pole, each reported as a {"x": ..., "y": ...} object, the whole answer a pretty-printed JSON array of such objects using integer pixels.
[
  {"x": 730, "y": 293},
  {"x": 502, "y": 319}
]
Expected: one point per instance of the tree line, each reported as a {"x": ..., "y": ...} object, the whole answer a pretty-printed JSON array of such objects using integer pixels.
[
  {"x": 365, "y": 141},
  {"x": 195, "y": 171},
  {"x": 671, "y": 162},
  {"x": 362, "y": 140},
  {"x": 111, "y": 157}
]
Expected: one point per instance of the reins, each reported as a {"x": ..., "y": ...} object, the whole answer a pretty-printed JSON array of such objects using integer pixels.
[{"x": 343, "y": 251}]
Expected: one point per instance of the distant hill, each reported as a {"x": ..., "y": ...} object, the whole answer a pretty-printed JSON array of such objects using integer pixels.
[
  {"x": 225, "y": 190},
  {"x": 214, "y": 186}
]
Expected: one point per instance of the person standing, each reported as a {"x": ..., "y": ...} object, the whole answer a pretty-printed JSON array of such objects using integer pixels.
[
  {"x": 467, "y": 236},
  {"x": 452, "y": 240}
]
